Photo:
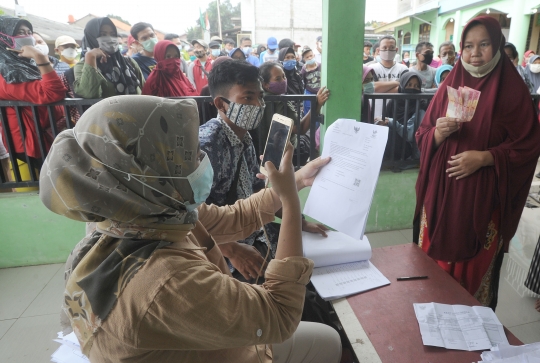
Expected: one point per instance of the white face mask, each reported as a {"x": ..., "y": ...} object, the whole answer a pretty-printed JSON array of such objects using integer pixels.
[
  {"x": 69, "y": 54},
  {"x": 535, "y": 68},
  {"x": 479, "y": 72},
  {"x": 43, "y": 48},
  {"x": 387, "y": 55}
]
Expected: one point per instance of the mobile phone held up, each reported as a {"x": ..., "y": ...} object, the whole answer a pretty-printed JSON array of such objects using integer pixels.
[{"x": 278, "y": 137}]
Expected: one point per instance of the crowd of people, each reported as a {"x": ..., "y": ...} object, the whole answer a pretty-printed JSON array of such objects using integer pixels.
[{"x": 180, "y": 219}]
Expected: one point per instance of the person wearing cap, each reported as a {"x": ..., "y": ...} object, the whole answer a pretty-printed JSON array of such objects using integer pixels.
[
  {"x": 245, "y": 45},
  {"x": 318, "y": 48},
  {"x": 270, "y": 55},
  {"x": 215, "y": 50},
  {"x": 66, "y": 47},
  {"x": 215, "y": 38},
  {"x": 200, "y": 68},
  {"x": 59, "y": 67}
]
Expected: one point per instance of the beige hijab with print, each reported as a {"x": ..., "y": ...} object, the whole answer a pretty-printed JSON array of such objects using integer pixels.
[{"x": 115, "y": 168}]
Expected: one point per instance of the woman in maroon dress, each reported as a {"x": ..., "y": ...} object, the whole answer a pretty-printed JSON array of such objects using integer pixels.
[{"x": 475, "y": 176}]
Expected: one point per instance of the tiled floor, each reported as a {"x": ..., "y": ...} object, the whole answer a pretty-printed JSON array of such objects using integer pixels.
[{"x": 30, "y": 303}]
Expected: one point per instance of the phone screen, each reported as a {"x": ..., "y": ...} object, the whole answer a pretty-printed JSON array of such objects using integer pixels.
[{"x": 275, "y": 146}]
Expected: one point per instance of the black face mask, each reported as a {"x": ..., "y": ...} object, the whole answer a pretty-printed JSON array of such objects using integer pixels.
[
  {"x": 411, "y": 90},
  {"x": 428, "y": 58}
]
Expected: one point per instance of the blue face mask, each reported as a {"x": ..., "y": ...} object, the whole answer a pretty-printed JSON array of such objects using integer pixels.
[
  {"x": 216, "y": 52},
  {"x": 192, "y": 58},
  {"x": 201, "y": 182},
  {"x": 289, "y": 64},
  {"x": 369, "y": 87}
]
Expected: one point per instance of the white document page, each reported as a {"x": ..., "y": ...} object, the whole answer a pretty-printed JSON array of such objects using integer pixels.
[
  {"x": 334, "y": 282},
  {"x": 335, "y": 249},
  {"x": 458, "y": 326},
  {"x": 342, "y": 192},
  {"x": 505, "y": 351}
]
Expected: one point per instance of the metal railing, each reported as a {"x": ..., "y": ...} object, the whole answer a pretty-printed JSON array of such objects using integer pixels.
[
  {"x": 397, "y": 154},
  {"x": 401, "y": 151},
  {"x": 204, "y": 104}
]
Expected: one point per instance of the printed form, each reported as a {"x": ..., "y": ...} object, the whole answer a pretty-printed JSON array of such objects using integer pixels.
[
  {"x": 459, "y": 327},
  {"x": 349, "y": 180}
]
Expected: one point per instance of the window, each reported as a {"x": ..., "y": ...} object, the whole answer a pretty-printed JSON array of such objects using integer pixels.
[
  {"x": 425, "y": 30},
  {"x": 407, "y": 38}
]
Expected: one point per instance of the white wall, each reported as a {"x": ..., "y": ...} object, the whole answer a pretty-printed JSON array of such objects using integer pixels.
[{"x": 299, "y": 20}]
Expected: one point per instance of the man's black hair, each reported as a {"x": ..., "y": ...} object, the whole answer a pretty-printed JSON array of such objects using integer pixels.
[
  {"x": 227, "y": 74},
  {"x": 123, "y": 35},
  {"x": 265, "y": 70},
  {"x": 389, "y": 37},
  {"x": 448, "y": 43},
  {"x": 510, "y": 46},
  {"x": 286, "y": 43},
  {"x": 421, "y": 45},
  {"x": 171, "y": 36},
  {"x": 367, "y": 44},
  {"x": 139, "y": 27},
  {"x": 229, "y": 41},
  {"x": 244, "y": 38},
  {"x": 376, "y": 45}
]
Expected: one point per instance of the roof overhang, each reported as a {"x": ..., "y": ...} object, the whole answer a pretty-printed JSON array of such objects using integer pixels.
[{"x": 399, "y": 22}]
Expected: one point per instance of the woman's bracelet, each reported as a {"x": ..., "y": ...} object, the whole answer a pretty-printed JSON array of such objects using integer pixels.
[{"x": 43, "y": 64}]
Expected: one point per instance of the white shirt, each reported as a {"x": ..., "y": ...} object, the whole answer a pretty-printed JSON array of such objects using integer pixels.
[{"x": 383, "y": 74}]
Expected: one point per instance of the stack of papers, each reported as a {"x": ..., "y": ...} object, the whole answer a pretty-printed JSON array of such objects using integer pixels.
[
  {"x": 462, "y": 102},
  {"x": 69, "y": 351},
  {"x": 349, "y": 180},
  {"x": 342, "y": 265},
  {"x": 504, "y": 353},
  {"x": 459, "y": 327}
]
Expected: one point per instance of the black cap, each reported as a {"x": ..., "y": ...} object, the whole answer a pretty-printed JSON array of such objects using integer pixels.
[
  {"x": 286, "y": 43},
  {"x": 319, "y": 38},
  {"x": 214, "y": 43}
]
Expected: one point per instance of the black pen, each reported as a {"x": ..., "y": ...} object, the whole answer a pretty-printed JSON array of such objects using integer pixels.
[{"x": 412, "y": 278}]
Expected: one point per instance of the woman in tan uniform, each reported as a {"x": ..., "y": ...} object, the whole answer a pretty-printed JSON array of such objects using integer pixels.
[{"x": 150, "y": 285}]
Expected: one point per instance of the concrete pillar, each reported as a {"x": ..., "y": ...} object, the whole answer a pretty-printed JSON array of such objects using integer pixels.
[
  {"x": 457, "y": 29},
  {"x": 519, "y": 26},
  {"x": 343, "y": 25}
]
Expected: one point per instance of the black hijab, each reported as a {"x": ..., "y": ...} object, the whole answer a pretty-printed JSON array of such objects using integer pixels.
[
  {"x": 400, "y": 112},
  {"x": 295, "y": 86},
  {"x": 13, "y": 68},
  {"x": 118, "y": 69}
]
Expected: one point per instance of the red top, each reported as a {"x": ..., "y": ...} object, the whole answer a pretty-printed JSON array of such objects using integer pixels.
[
  {"x": 200, "y": 78},
  {"x": 167, "y": 80},
  {"x": 505, "y": 123},
  {"x": 47, "y": 90}
]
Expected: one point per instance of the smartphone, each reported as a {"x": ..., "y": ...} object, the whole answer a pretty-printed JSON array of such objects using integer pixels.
[{"x": 278, "y": 137}]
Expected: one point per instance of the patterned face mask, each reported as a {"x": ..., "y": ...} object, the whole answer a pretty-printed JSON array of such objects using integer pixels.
[{"x": 247, "y": 117}]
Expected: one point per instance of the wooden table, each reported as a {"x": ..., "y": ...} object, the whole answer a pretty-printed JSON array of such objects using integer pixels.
[{"x": 381, "y": 323}]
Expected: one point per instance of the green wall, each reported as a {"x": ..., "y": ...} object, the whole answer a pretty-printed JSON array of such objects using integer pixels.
[{"x": 33, "y": 235}]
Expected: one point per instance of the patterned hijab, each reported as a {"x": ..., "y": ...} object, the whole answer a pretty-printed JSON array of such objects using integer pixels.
[
  {"x": 13, "y": 68},
  {"x": 118, "y": 69},
  {"x": 140, "y": 139}
]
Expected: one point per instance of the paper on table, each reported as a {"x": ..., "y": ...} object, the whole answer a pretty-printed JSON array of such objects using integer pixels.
[
  {"x": 459, "y": 326},
  {"x": 69, "y": 351},
  {"x": 335, "y": 249},
  {"x": 511, "y": 353},
  {"x": 342, "y": 192},
  {"x": 334, "y": 282}
]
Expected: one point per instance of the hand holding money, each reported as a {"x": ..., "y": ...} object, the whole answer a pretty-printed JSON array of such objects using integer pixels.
[{"x": 462, "y": 103}]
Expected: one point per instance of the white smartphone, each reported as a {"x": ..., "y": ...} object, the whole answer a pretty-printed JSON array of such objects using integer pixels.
[{"x": 278, "y": 137}]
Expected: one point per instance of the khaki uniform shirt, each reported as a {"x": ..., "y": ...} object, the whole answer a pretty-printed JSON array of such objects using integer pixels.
[{"x": 183, "y": 305}]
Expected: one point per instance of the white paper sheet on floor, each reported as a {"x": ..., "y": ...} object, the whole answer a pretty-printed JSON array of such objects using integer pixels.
[{"x": 69, "y": 351}]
